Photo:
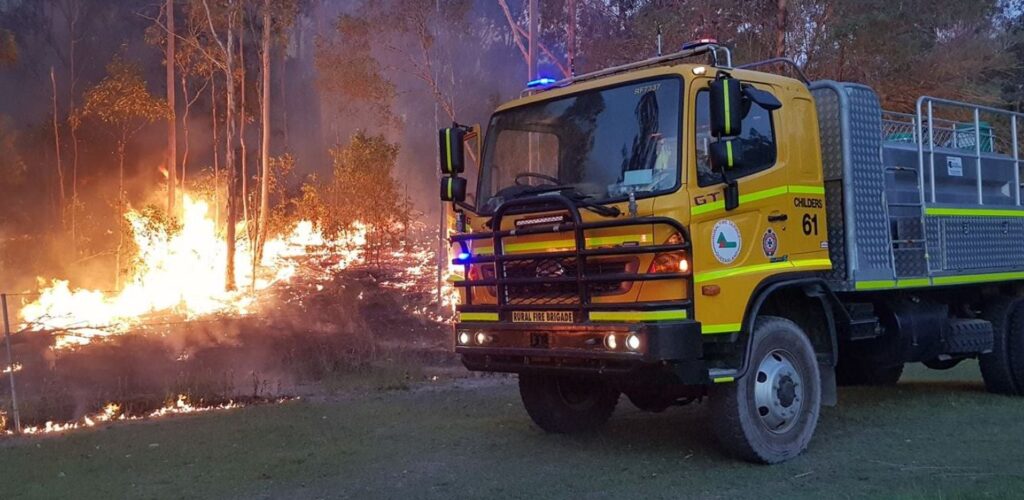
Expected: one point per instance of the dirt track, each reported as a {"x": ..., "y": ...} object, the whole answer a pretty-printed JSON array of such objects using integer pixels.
[{"x": 472, "y": 439}]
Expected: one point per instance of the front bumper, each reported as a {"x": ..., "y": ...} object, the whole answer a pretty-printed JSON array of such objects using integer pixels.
[{"x": 674, "y": 348}]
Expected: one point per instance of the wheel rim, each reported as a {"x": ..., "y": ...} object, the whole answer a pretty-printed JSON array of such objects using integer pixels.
[{"x": 778, "y": 391}]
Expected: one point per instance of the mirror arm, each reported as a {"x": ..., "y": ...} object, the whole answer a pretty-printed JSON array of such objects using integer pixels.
[
  {"x": 731, "y": 192},
  {"x": 465, "y": 206}
]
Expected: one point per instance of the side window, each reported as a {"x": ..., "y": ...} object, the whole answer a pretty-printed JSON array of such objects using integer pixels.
[{"x": 757, "y": 141}]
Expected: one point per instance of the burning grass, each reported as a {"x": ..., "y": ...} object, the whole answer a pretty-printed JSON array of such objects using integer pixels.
[
  {"x": 180, "y": 272},
  {"x": 317, "y": 313},
  {"x": 310, "y": 337}
]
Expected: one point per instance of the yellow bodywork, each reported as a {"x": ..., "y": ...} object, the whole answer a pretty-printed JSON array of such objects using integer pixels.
[{"x": 790, "y": 193}]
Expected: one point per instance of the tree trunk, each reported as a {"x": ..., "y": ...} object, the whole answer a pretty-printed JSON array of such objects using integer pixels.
[
  {"x": 283, "y": 102},
  {"x": 172, "y": 134},
  {"x": 780, "y": 28},
  {"x": 570, "y": 49},
  {"x": 56, "y": 144},
  {"x": 121, "y": 145},
  {"x": 73, "y": 123},
  {"x": 229, "y": 153},
  {"x": 243, "y": 167},
  {"x": 533, "y": 34},
  {"x": 185, "y": 129},
  {"x": 216, "y": 150},
  {"x": 264, "y": 211}
]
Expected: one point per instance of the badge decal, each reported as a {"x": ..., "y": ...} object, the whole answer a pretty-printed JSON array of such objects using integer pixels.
[
  {"x": 770, "y": 243},
  {"x": 726, "y": 241}
]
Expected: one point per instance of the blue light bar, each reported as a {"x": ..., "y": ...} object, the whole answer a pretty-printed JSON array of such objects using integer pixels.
[
  {"x": 540, "y": 82},
  {"x": 463, "y": 256}
]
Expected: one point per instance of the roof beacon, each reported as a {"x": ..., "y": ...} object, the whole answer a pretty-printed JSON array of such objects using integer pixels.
[
  {"x": 698, "y": 43},
  {"x": 540, "y": 82}
]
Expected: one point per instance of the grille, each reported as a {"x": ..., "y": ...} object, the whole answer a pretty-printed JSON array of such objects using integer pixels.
[{"x": 563, "y": 292}]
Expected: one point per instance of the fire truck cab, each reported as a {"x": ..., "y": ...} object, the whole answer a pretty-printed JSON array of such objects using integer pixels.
[{"x": 675, "y": 231}]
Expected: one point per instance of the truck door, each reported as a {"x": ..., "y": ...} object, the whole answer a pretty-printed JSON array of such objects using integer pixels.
[{"x": 735, "y": 250}]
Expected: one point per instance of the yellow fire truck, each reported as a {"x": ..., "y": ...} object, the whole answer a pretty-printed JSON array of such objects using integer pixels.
[{"x": 681, "y": 229}]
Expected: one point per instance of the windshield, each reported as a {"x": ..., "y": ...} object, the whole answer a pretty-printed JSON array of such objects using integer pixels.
[{"x": 602, "y": 143}]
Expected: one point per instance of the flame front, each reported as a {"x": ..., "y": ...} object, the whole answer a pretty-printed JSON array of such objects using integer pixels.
[
  {"x": 112, "y": 412},
  {"x": 180, "y": 274}
]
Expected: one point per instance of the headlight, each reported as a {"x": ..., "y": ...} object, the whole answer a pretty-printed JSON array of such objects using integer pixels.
[
  {"x": 611, "y": 342},
  {"x": 464, "y": 338},
  {"x": 633, "y": 343},
  {"x": 671, "y": 262},
  {"x": 482, "y": 338}
]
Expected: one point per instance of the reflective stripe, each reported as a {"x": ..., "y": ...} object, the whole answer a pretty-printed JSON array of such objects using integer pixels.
[
  {"x": 721, "y": 328},
  {"x": 757, "y": 268},
  {"x": 938, "y": 280},
  {"x": 884, "y": 284},
  {"x": 450, "y": 182},
  {"x": 728, "y": 152},
  {"x": 637, "y": 315},
  {"x": 554, "y": 245},
  {"x": 973, "y": 212},
  {"x": 728, "y": 119},
  {"x": 757, "y": 196},
  {"x": 448, "y": 145},
  {"x": 977, "y": 278},
  {"x": 724, "y": 380},
  {"x": 478, "y": 316},
  {"x": 807, "y": 190}
]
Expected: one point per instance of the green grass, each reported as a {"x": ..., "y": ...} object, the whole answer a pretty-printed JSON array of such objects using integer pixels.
[{"x": 936, "y": 435}]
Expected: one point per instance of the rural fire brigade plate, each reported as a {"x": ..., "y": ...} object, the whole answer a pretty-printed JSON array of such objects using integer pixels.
[{"x": 542, "y": 317}]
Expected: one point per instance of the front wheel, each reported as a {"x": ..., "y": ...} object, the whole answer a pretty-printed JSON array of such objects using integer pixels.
[
  {"x": 770, "y": 414},
  {"x": 564, "y": 404}
]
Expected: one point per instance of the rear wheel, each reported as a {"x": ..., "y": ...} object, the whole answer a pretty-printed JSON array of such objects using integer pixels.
[
  {"x": 564, "y": 404},
  {"x": 769, "y": 415},
  {"x": 1003, "y": 368}
]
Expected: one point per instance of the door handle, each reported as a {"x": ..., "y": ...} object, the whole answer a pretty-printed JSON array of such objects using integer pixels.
[{"x": 778, "y": 217}]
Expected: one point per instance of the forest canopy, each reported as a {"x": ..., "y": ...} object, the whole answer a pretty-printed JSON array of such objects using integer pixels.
[{"x": 283, "y": 109}]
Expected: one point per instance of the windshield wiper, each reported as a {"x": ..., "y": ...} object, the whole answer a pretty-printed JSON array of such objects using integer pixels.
[
  {"x": 576, "y": 196},
  {"x": 597, "y": 208}
]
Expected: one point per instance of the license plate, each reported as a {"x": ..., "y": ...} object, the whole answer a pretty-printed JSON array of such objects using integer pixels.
[{"x": 542, "y": 317}]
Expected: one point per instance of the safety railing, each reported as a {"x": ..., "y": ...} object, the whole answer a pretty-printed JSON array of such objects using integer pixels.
[{"x": 976, "y": 137}]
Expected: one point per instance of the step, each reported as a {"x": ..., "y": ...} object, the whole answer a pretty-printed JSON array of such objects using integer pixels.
[{"x": 863, "y": 323}]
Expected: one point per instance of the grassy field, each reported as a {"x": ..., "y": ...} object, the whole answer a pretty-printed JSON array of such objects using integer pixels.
[{"x": 935, "y": 435}]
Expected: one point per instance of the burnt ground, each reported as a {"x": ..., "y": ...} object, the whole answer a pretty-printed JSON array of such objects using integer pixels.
[{"x": 935, "y": 435}]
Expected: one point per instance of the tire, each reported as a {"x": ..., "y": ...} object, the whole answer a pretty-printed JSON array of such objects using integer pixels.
[
  {"x": 565, "y": 405},
  {"x": 750, "y": 417},
  {"x": 1003, "y": 368},
  {"x": 852, "y": 371}
]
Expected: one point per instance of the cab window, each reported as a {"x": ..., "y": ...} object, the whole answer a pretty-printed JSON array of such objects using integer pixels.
[{"x": 757, "y": 139}]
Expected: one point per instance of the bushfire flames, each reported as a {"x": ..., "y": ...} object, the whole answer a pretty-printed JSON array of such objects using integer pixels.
[
  {"x": 113, "y": 412},
  {"x": 179, "y": 274}
]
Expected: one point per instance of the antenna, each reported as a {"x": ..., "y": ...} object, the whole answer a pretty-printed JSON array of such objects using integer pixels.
[{"x": 659, "y": 40}]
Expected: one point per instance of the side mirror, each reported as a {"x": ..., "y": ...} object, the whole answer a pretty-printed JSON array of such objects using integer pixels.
[
  {"x": 453, "y": 189},
  {"x": 453, "y": 150},
  {"x": 726, "y": 106},
  {"x": 764, "y": 99},
  {"x": 725, "y": 155}
]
